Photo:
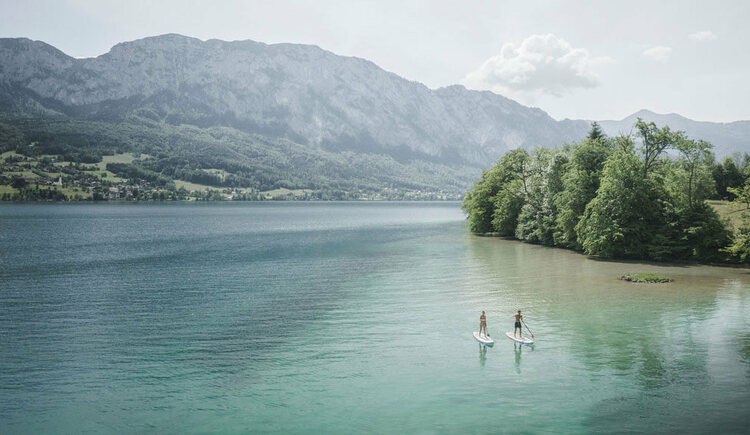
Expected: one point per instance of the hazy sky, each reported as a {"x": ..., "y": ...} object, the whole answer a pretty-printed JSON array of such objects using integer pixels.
[{"x": 574, "y": 59}]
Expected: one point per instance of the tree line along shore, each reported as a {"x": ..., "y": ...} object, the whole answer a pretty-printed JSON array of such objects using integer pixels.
[{"x": 659, "y": 195}]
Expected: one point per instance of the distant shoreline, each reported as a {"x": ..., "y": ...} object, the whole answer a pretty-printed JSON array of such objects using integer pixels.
[{"x": 193, "y": 201}]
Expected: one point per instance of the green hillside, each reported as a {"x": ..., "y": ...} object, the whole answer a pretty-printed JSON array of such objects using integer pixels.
[{"x": 173, "y": 159}]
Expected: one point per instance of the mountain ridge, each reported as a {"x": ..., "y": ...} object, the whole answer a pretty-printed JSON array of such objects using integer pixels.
[
  {"x": 304, "y": 94},
  {"x": 300, "y": 92},
  {"x": 727, "y": 137}
]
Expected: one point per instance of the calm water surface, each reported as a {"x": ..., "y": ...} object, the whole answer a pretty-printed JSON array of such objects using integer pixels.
[{"x": 348, "y": 318}]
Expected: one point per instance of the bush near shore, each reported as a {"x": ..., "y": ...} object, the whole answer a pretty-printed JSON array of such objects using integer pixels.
[{"x": 645, "y": 277}]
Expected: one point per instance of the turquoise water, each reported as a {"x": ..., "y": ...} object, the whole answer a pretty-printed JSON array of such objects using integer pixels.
[{"x": 348, "y": 318}]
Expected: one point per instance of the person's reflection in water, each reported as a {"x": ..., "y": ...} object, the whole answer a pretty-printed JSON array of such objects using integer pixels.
[
  {"x": 518, "y": 349},
  {"x": 482, "y": 354}
]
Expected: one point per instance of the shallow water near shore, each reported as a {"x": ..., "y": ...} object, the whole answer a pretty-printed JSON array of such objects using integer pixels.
[{"x": 347, "y": 318}]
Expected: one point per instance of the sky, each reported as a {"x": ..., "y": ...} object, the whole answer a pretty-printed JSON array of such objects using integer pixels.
[{"x": 573, "y": 59}]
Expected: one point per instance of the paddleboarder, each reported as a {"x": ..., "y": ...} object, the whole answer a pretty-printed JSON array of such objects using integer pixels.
[
  {"x": 483, "y": 325},
  {"x": 517, "y": 326}
]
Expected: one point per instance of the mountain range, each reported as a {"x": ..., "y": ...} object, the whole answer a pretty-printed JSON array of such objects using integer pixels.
[
  {"x": 313, "y": 101},
  {"x": 727, "y": 138}
]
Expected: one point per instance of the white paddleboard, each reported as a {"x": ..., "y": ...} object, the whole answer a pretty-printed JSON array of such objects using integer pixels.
[
  {"x": 485, "y": 340},
  {"x": 522, "y": 340}
]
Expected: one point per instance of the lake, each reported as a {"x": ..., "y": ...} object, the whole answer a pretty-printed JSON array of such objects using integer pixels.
[{"x": 349, "y": 318}]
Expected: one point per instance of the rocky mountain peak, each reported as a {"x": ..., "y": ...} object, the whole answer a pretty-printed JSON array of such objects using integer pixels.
[{"x": 299, "y": 92}]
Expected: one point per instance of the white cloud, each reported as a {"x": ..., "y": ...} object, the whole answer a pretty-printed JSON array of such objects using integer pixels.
[
  {"x": 703, "y": 35},
  {"x": 541, "y": 64},
  {"x": 659, "y": 52}
]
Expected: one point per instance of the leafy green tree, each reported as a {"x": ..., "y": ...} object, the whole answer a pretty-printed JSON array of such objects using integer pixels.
[
  {"x": 596, "y": 131},
  {"x": 18, "y": 182},
  {"x": 727, "y": 174},
  {"x": 623, "y": 143},
  {"x": 654, "y": 142},
  {"x": 536, "y": 222},
  {"x": 702, "y": 234},
  {"x": 479, "y": 201},
  {"x": 509, "y": 200},
  {"x": 739, "y": 250},
  {"x": 507, "y": 203},
  {"x": 579, "y": 185},
  {"x": 626, "y": 216},
  {"x": 494, "y": 203},
  {"x": 741, "y": 195},
  {"x": 695, "y": 155},
  {"x": 720, "y": 180}
]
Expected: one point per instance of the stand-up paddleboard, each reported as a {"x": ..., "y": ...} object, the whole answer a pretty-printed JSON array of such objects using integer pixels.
[
  {"x": 522, "y": 340},
  {"x": 483, "y": 339}
]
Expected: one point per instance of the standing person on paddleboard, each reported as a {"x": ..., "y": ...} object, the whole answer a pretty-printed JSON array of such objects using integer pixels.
[
  {"x": 517, "y": 326},
  {"x": 483, "y": 325}
]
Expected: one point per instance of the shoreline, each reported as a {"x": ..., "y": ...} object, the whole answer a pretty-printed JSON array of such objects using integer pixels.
[
  {"x": 619, "y": 260},
  {"x": 223, "y": 201}
]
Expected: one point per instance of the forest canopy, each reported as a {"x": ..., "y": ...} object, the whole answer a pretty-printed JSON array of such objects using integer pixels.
[{"x": 641, "y": 197}]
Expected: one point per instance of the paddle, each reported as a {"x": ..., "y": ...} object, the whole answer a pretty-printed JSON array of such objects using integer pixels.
[{"x": 527, "y": 327}]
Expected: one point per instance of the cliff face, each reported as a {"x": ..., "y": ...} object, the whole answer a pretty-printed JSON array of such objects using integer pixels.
[{"x": 299, "y": 92}]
